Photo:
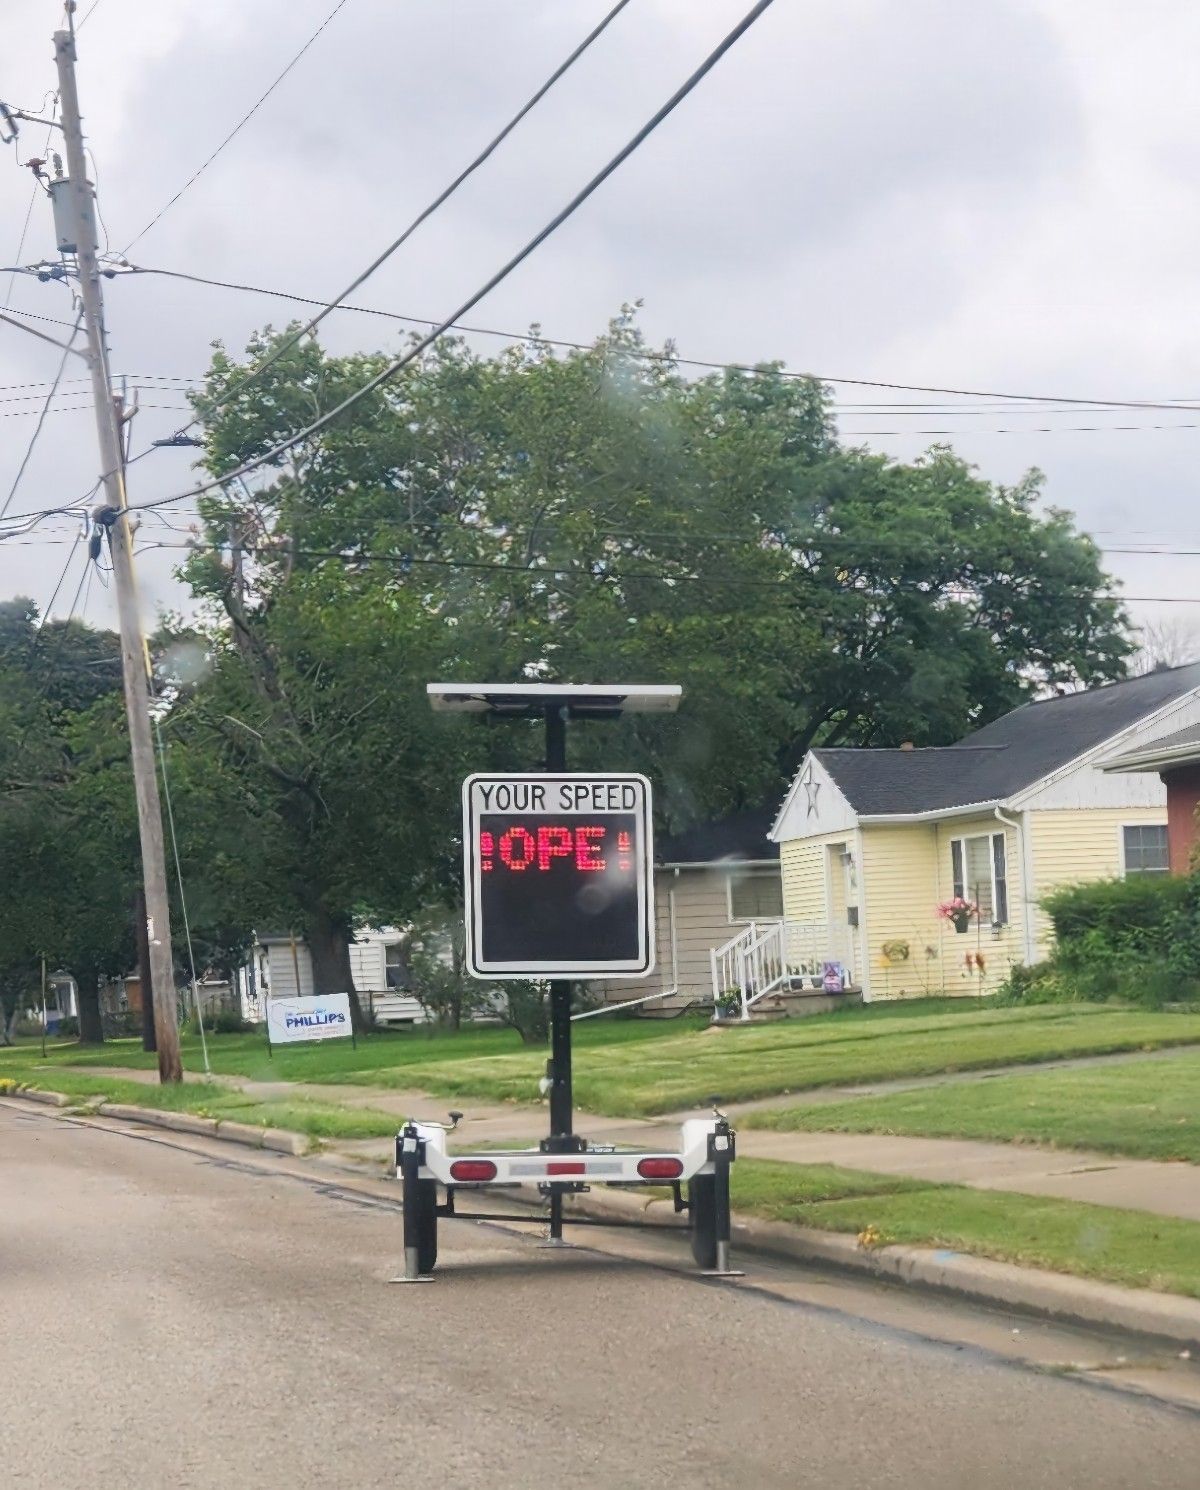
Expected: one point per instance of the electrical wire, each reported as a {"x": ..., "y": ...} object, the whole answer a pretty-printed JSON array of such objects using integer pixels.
[
  {"x": 242, "y": 122},
  {"x": 84, "y": 408},
  {"x": 97, "y": 195},
  {"x": 500, "y": 275},
  {"x": 45, "y": 613},
  {"x": 187, "y": 928},
  {"x": 647, "y": 354},
  {"x": 427, "y": 212},
  {"x": 12, "y": 491},
  {"x": 80, "y": 24},
  {"x": 30, "y": 315},
  {"x": 32, "y": 199}
]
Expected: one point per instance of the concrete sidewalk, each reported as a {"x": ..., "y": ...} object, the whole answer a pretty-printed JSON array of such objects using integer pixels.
[{"x": 1163, "y": 1189}]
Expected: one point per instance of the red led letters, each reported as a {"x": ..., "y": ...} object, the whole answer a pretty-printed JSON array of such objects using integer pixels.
[{"x": 580, "y": 846}]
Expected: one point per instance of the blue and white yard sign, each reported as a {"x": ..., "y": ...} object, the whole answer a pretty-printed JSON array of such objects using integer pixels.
[{"x": 317, "y": 1018}]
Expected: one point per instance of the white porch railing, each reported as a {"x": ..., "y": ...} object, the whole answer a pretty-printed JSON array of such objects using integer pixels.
[{"x": 760, "y": 959}]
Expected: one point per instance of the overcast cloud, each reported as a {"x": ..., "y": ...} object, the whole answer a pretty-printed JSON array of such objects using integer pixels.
[{"x": 989, "y": 196}]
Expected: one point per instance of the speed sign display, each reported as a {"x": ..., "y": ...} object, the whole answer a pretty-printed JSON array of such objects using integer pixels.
[{"x": 559, "y": 876}]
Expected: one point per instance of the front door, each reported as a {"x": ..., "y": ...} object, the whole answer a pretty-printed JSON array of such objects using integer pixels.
[{"x": 842, "y": 882}]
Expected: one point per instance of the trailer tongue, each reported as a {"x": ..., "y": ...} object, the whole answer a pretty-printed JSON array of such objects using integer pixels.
[{"x": 559, "y": 884}]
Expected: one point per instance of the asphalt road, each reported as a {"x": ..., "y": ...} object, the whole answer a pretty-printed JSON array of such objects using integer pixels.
[{"x": 181, "y": 1316}]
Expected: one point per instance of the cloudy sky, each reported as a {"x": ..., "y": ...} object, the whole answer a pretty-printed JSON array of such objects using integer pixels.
[{"x": 996, "y": 197}]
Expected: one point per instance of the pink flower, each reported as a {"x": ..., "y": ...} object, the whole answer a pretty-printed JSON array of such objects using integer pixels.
[{"x": 958, "y": 909}]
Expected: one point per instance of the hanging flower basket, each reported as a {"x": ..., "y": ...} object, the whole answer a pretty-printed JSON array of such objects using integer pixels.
[{"x": 959, "y": 912}]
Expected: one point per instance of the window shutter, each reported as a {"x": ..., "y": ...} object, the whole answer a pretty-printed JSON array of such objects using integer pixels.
[{"x": 956, "y": 862}]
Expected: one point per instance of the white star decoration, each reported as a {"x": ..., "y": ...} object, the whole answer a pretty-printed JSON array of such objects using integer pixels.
[{"x": 811, "y": 788}]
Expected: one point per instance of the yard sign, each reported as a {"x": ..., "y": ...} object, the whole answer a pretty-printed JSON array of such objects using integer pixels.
[
  {"x": 559, "y": 876},
  {"x": 324, "y": 1017}
]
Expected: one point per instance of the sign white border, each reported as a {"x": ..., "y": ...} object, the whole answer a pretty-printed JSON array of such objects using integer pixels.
[{"x": 639, "y": 967}]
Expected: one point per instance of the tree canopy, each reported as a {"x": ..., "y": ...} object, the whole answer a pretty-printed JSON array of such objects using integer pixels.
[{"x": 590, "y": 516}]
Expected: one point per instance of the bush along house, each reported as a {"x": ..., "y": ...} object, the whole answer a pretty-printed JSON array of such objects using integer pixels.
[{"x": 923, "y": 869}]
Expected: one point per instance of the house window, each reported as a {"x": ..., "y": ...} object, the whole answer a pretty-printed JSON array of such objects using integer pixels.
[
  {"x": 1144, "y": 847},
  {"x": 394, "y": 966},
  {"x": 755, "y": 895},
  {"x": 980, "y": 867}
]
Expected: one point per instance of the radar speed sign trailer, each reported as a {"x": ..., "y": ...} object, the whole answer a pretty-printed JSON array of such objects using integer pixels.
[{"x": 559, "y": 884}]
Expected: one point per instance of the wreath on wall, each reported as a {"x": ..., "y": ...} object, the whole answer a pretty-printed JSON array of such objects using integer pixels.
[{"x": 897, "y": 951}]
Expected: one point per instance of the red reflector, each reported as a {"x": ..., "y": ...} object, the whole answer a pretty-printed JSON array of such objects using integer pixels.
[
  {"x": 565, "y": 1167},
  {"x": 472, "y": 1169},
  {"x": 660, "y": 1169}
]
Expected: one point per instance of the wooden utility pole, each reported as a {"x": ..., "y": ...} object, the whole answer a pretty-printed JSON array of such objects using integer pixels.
[
  {"x": 145, "y": 974},
  {"x": 75, "y": 221}
]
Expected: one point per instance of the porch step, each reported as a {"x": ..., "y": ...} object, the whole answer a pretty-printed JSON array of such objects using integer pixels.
[{"x": 795, "y": 1002}]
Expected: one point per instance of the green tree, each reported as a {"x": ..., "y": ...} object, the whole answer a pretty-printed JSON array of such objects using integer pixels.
[{"x": 590, "y": 516}]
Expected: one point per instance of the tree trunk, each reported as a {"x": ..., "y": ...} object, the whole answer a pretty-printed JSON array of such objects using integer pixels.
[
  {"x": 328, "y": 939},
  {"x": 91, "y": 1029},
  {"x": 145, "y": 977}
]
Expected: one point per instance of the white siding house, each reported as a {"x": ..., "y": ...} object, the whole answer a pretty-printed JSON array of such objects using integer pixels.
[
  {"x": 710, "y": 883},
  {"x": 283, "y": 969}
]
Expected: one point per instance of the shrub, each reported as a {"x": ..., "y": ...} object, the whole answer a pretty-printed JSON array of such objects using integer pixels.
[
  {"x": 68, "y": 1027},
  {"x": 1039, "y": 983},
  {"x": 1136, "y": 939},
  {"x": 230, "y": 1022},
  {"x": 1116, "y": 918},
  {"x": 223, "y": 1022}
]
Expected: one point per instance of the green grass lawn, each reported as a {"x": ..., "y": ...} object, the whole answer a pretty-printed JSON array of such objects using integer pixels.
[
  {"x": 205, "y": 1099},
  {"x": 642, "y": 1067},
  {"x": 1091, "y": 1241},
  {"x": 396, "y": 1055},
  {"x": 1148, "y": 1109},
  {"x": 680, "y": 1071}
]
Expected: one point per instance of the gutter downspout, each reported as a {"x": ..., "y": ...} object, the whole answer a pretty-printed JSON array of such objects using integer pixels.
[{"x": 1026, "y": 878}]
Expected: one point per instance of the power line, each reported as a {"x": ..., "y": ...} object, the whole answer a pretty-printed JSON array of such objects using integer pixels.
[
  {"x": 30, "y": 315},
  {"x": 593, "y": 568},
  {"x": 95, "y": 5},
  {"x": 45, "y": 614},
  {"x": 501, "y": 274},
  {"x": 443, "y": 196},
  {"x": 195, "y": 176},
  {"x": 78, "y": 408},
  {"x": 32, "y": 199},
  {"x": 12, "y": 491},
  {"x": 648, "y": 354}
]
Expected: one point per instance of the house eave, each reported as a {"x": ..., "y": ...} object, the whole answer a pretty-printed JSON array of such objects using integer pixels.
[
  {"x": 726, "y": 863},
  {"x": 968, "y": 809},
  {"x": 1152, "y": 760}
]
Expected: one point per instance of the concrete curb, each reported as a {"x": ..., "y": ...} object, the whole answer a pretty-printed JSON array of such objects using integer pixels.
[
  {"x": 1060, "y": 1296},
  {"x": 48, "y": 1099},
  {"x": 279, "y": 1140},
  {"x": 177, "y": 1122},
  {"x": 1033, "y": 1290}
]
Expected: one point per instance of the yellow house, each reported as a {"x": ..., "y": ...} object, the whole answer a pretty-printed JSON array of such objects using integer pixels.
[{"x": 872, "y": 842}]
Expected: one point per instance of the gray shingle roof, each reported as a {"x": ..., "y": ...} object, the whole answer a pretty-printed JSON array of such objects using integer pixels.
[
  {"x": 1007, "y": 755},
  {"x": 741, "y": 835},
  {"x": 878, "y": 781}
]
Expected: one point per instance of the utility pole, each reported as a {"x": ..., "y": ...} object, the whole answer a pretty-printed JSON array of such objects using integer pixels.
[{"x": 77, "y": 232}]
